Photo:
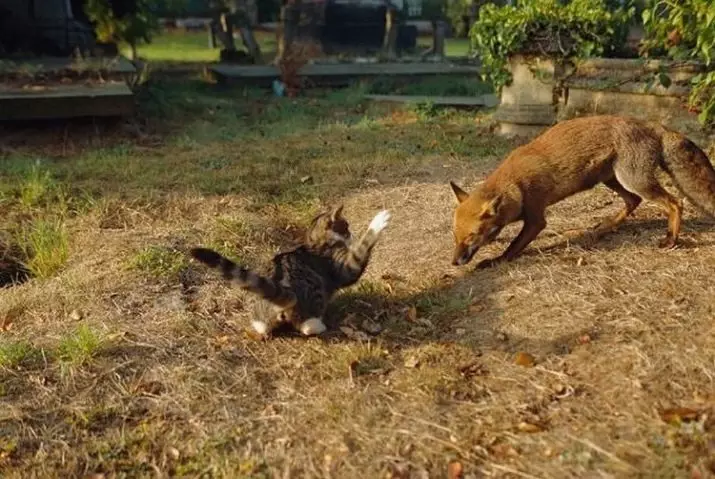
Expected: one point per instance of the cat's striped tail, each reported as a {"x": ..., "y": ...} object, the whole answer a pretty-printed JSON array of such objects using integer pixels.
[{"x": 246, "y": 279}]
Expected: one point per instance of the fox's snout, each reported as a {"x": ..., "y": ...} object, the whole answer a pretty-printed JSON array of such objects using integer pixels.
[{"x": 463, "y": 254}]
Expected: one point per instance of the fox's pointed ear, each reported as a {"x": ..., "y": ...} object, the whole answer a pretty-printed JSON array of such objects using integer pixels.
[
  {"x": 337, "y": 213},
  {"x": 492, "y": 208},
  {"x": 459, "y": 193}
]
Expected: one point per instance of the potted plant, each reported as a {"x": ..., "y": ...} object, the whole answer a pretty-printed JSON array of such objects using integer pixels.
[{"x": 526, "y": 50}]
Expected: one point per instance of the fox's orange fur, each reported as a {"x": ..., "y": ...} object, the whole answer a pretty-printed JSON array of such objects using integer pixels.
[{"x": 625, "y": 154}]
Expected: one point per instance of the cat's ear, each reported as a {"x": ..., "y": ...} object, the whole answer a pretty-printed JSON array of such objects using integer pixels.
[{"x": 337, "y": 213}]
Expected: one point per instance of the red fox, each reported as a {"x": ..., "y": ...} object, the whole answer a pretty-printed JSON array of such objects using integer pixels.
[{"x": 573, "y": 156}]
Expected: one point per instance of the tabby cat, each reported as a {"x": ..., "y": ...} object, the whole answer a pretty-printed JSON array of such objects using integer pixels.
[{"x": 305, "y": 278}]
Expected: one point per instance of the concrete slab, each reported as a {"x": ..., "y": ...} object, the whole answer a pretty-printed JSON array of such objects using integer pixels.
[
  {"x": 341, "y": 73},
  {"x": 65, "y": 101}
]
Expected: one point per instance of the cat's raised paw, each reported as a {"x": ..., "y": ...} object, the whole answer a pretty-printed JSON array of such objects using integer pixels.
[{"x": 380, "y": 221}]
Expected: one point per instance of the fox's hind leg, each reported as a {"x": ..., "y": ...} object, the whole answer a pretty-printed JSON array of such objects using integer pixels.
[
  {"x": 647, "y": 186},
  {"x": 632, "y": 202}
]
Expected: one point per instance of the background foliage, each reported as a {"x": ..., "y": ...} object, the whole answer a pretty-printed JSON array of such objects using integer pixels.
[
  {"x": 685, "y": 30},
  {"x": 581, "y": 29}
]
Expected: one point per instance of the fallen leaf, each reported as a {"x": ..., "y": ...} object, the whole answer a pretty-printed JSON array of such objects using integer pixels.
[
  {"x": 354, "y": 334},
  {"x": 524, "y": 359},
  {"x": 412, "y": 362},
  {"x": 679, "y": 414},
  {"x": 412, "y": 314},
  {"x": 306, "y": 179},
  {"x": 584, "y": 339},
  {"x": 173, "y": 453},
  {"x": 563, "y": 392},
  {"x": 476, "y": 308},
  {"x": 503, "y": 450},
  {"x": 455, "y": 470},
  {"x": 528, "y": 427},
  {"x": 371, "y": 326},
  {"x": 472, "y": 369},
  {"x": 398, "y": 471},
  {"x": 350, "y": 320},
  {"x": 75, "y": 315},
  {"x": 407, "y": 449}
]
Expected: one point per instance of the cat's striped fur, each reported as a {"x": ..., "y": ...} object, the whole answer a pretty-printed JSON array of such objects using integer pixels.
[{"x": 304, "y": 279}]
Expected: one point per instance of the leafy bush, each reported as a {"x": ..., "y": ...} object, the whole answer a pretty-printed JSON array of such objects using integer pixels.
[
  {"x": 580, "y": 29},
  {"x": 685, "y": 30},
  {"x": 132, "y": 27}
]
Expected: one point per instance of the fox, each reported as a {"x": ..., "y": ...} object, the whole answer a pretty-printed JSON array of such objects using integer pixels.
[{"x": 623, "y": 153}]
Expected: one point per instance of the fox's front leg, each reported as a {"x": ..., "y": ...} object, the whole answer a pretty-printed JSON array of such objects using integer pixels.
[{"x": 533, "y": 225}]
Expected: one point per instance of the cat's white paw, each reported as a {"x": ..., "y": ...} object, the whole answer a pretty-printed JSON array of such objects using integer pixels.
[
  {"x": 313, "y": 326},
  {"x": 260, "y": 327},
  {"x": 380, "y": 221}
]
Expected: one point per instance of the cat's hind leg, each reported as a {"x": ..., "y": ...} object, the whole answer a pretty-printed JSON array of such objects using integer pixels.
[{"x": 312, "y": 327}]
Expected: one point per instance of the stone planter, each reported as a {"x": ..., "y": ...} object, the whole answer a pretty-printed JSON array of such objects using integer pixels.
[
  {"x": 614, "y": 86},
  {"x": 529, "y": 103}
]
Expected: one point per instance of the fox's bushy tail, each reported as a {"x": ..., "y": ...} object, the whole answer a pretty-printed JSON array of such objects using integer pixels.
[
  {"x": 691, "y": 170},
  {"x": 246, "y": 279}
]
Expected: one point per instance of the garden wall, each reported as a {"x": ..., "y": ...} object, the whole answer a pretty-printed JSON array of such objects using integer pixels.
[
  {"x": 630, "y": 87},
  {"x": 598, "y": 86}
]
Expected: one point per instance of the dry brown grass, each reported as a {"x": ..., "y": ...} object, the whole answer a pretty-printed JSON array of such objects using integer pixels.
[{"x": 165, "y": 380}]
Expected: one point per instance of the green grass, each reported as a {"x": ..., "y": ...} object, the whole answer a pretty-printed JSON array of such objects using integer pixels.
[
  {"x": 14, "y": 353},
  {"x": 453, "y": 47},
  {"x": 79, "y": 346},
  {"x": 183, "y": 387},
  {"x": 189, "y": 47},
  {"x": 211, "y": 133},
  {"x": 36, "y": 187},
  {"x": 435, "y": 86},
  {"x": 45, "y": 244},
  {"x": 159, "y": 261}
]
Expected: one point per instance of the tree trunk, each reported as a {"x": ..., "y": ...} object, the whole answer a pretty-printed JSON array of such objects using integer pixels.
[
  {"x": 227, "y": 27},
  {"x": 243, "y": 22},
  {"x": 249, "y": 40},
  {"x": 212, "y": 35},
  {"x": 438, "y": 33},
  {"x": 289, "y": 19},
  {"x": 392, "y": 26}
]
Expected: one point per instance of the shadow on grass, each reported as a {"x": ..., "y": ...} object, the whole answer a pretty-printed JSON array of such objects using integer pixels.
[{"x": 634, "y": 233}]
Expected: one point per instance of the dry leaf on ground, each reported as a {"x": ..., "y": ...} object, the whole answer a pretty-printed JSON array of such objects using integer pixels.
[{"x": 524, "y": 359}]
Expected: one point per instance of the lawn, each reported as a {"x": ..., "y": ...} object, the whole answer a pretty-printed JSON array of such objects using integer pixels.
[
  {"x": 121, "y": 358},
  {"x": 178, "y": 46}
]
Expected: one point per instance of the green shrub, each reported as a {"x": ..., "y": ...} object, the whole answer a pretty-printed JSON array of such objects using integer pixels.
[
  {"x": 580, "y": 29},
  {"x": 685, "y": 30}
]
